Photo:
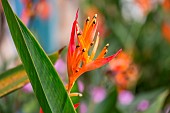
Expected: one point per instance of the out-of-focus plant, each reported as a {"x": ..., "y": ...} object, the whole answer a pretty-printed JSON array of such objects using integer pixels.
[
  {"x": 123, "y": 71},
  {"x": 141, "y": 28},
  {"x": 30, "y": 10}
]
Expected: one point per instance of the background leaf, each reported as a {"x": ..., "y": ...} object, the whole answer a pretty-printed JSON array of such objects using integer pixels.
[
  {"x": 152, "y": 97},
  {"x": 16, "y": 77},
  {"x": 46, "y": 83},
  {"x": 156, "y": 106}
]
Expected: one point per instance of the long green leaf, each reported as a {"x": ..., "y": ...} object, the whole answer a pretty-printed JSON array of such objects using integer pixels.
[
  {"x": 16, "y": 77},
  {"x": 46, "y": 83},
  {"x": 157, "y": 104}
]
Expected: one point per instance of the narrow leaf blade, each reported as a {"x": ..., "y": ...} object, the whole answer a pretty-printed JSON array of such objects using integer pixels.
[
  {"x": 158, "y": 103},
  {"x": 12, "y": 80},
  {"x": 16, "y": 77},
  {"x": 46, "y": 83}
]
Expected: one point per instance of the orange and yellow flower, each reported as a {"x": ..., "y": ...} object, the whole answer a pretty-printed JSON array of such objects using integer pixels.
[{"x": 79, "y": 58}]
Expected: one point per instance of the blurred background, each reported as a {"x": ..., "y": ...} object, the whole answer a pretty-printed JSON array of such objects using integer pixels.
[{"x": 137, "y": 81}]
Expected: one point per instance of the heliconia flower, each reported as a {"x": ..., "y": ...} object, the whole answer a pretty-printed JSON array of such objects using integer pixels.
[{"x": 78, "y": 58}]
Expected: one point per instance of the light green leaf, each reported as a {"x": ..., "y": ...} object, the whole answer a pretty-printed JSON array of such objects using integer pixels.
[
  {"x": 46, "y": 83},
  {"x": 16, "y": 77},
  {"x": 157, "y": 104}
]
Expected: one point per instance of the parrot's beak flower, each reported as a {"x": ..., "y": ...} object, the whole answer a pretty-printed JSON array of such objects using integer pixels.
[{"x": 79, "y": 58}]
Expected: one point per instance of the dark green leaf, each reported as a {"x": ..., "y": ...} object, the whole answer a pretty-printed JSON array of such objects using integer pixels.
[{"x": 46, "y": 83}]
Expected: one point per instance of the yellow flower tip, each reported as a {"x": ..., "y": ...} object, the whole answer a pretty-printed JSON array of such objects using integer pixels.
[
  {"x": 95, "y": 16},
  {"x": 78, "y": 33},
  {"x": 88, "y": 19},
  {"x": 94, "y": 21},
  {"x": 98, "y": 33},
  {"x": 107, "y": 45},
  {"x": 80, "y": 95}
]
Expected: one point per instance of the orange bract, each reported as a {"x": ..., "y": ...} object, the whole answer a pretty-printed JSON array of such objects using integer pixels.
[{"x": 78, "y": 59}]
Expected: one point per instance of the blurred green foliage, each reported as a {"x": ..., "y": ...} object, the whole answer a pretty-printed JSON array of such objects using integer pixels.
[{"x": 150, "y": 49}]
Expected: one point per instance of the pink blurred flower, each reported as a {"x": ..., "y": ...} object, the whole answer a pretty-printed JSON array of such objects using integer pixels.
[
  {"x": 80, "y": 86},
  {"x": 60, "y": 66},
  {"x": 27, "y": 88},
  {"x": 98, "y": 94},
  {"x": 125, "y": 97},
  {"x": 83, "y": 108},
  {"x": 143, "y": 105},
  {"x": 167, "y": 109}
]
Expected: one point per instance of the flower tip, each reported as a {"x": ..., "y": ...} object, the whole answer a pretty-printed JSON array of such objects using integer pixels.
[
  {"x": 77, "y": 14},
  {"x": 80, "y": 95},
  {"x": 120, "y": 50},
  {"x": 95, "y": 15},
  {"x": 98, "y": 33},
  {"x": 88, "y": 18},
  {"x": 107, "y": 45}
]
